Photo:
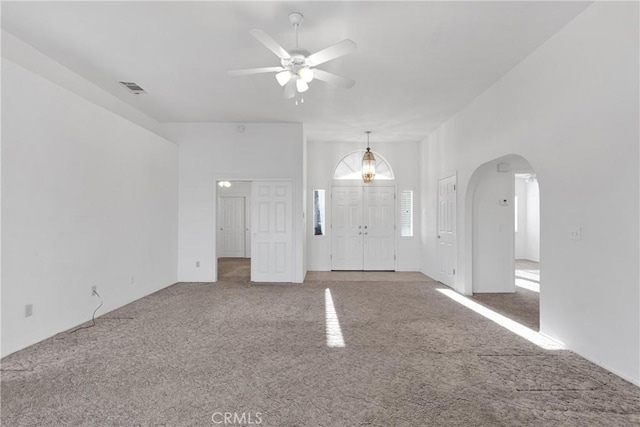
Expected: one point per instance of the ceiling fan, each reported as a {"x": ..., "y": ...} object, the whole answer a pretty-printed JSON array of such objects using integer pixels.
[{"x": 298, "y": 66}]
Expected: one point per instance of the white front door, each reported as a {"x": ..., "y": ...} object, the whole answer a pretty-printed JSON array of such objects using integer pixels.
[
  {"x": 271, "y": 225},
  {"x": 446, "y": 230},
  {"x": 346, "y": 229},
  {"x": 379, "y": 228},
  {"x": 232, "y": 226},
  {"x": 363, "y": 228}
]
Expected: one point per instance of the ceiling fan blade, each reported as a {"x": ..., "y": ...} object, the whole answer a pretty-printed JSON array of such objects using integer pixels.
[
  {"x": 290, "y": 89},
  {"x": 248, "y": 71},
  {"x": 270, "y": 43},
  {"x": 331, "y": 52},
  {"x": 333, "y": 79}
]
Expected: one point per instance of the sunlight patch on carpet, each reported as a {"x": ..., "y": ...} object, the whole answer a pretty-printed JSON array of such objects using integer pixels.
[
  {"x": 334, "y": 333},
  {"x": 528, "y": 284},
  {"x": 515, "y": 327}
]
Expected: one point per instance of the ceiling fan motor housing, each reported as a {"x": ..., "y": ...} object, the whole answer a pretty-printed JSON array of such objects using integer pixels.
[
  {"x": 296, "y": 61},
  {"x": 296, "y": 18}
]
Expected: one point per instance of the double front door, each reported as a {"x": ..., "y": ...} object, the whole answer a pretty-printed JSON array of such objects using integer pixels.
[{"x": 363, "y": 228}]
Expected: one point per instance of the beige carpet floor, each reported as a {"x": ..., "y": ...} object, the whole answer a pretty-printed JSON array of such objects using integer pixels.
[
  {"x": 522, "y": 306},
  {"x": 413, "y": 357}
]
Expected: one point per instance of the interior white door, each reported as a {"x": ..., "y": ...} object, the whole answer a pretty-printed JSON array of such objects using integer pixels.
[
  {"x": 232, "y": 226},
  {"x": 379, "y": 228},
  {"x": 271, "y": 225},
  {"x": 346, "y": 229},
  {"x": 363, "y": 228},
  {"x": 446, "y": 230}
]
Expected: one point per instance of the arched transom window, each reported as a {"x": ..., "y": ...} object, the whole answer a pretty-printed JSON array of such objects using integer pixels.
[{"x": 350, "y": 167}]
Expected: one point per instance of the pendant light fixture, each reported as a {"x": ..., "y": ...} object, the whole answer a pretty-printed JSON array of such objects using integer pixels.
[{"x": 368, "y": 163}]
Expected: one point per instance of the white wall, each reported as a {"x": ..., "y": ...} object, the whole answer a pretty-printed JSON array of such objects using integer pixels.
[
  {"x": 35, "y": 61},
  {"x": 571, "y": 110},
  {"x": 532, "y": 230},
  {"x": 493, "y": 236},
  {"x": 305, "y": 197},
  {"x": 323, "y": 158},
  {"x": 521, "y": 234},
  {"x": 88, "y": 199},
  {"x": 218, "y": 151}
]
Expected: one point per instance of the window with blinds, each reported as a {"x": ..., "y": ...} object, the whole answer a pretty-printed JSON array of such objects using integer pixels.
[{"x": 406, "y": 213}]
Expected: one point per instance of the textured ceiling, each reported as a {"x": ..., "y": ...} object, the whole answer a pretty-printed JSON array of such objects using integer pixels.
[{"x": 417, "y": 63}]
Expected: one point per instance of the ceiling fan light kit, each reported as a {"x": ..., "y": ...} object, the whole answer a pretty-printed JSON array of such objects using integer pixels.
[
  {"x": 297, "y": 68},
  {"x": 283, "y": 77}
]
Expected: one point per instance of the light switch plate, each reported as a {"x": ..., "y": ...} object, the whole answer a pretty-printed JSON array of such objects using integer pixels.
[{"x": 575, "y": 233}]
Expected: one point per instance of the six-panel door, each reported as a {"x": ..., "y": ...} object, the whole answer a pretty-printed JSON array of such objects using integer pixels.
[
  {"x": 232, "y": 226},
  {"x": 363, "y": 228},
  {"x": 271, "y": 225}
]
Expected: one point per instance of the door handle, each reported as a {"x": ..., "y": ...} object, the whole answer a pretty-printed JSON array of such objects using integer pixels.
[
  {"x": 365, "y": 227},
  {"x": 438, "y": 236}
]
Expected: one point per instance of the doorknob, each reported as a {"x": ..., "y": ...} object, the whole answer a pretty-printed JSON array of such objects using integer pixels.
[
  {"x": 438, "y": 236},
  {"x": 366, "y": 232},
  {"x": 220, "y": 228},
  {"x": 365, "y": 227},
  {"x": 359, "y": 227},
  {"x": 360, "y": 232}
]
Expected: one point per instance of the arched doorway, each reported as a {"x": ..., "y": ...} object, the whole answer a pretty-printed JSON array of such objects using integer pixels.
[{"x": 503, "y": 197}]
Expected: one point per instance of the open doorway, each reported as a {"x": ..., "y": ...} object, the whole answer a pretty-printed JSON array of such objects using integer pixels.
[
  {"x": 527, "y": 232},
  {"x": 234, "y": 231},
  {"x": 505, "y": 203}
]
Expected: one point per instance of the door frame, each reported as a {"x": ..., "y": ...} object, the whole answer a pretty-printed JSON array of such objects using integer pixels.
[{"x": 244, "y": 178}]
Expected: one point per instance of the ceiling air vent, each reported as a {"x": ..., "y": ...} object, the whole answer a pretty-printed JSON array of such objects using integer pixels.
[{"x": 134, "y": 88}]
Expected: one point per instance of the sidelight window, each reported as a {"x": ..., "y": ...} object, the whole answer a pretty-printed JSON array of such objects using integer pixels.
[
  {"x": 406, "y": 213},
  {"x": 318, "y": 213}
]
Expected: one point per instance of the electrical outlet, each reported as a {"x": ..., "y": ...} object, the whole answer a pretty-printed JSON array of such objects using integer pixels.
[
  {"x": 28, "y": 310},
  {"x": 197, "y": 264},
  {"x": 94, "y": 290}
]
